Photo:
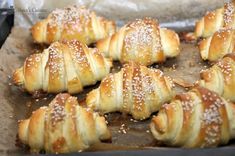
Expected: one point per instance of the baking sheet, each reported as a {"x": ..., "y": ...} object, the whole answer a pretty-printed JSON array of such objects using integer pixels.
[{"x": 126, "y": 132}]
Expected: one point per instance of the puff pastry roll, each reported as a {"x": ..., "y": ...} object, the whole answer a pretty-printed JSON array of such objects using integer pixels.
[
  {"x": 63, "y": 127},
  {"x": 135, "y": 90},
  {"x": 142, "y": 41},
  {"x": 72, "y": 22},
  {"x": 220, "y": 77},
  {"x": 198, "y": 118},
  {"x": 218, "y": 45},
  {"x": 64, "y": 66},
  {"x": 213, "y": 21}
]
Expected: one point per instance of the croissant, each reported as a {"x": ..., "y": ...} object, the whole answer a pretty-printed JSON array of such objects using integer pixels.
[
  {"x": 62, "y": 127},
  {"x": 64, "y": 66},
  {"x": 213, "y": 21},
  {"x": 142, "y": 41},
  {"x": 220, "y": 78},
  {"x": 72, "y": 22},
  {"x": 135, "y": 90},
  {"x": 198, "y": 118},
  {"x": 218, "y": 45}
]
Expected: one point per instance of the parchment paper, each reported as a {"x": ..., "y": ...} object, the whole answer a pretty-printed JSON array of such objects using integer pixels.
[
  {"x": 16, "y": 104},
  {"x": 167, "y": 11}
]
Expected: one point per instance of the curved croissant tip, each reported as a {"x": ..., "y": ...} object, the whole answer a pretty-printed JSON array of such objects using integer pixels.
[
  {"x": 170, "y": 42},
  {"x": 18, "y": 76},
  {"x": 198, "y": 28},
  {"x": 106, "y": 135},
  {"x": 23, "y": 131},
  {"x": 110, "y": 62},
  {"x": 37, "y": 31},
  {"x": 91, "y": 99},
  {"x": 103, "y": 45},
  {"x": 34, "y": 29},
  {"x": 159, "y": 124},
  {"x": 110, "y": 27},
  {"x": 198, "y": 83},
  {"x": 205, "y": 75}
]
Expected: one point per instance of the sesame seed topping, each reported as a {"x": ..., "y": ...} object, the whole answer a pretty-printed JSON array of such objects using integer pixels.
[
  {"x": 72, "y": 18},
  {"x": 33, "y": 61},
  {"x": 226, "y": 69},
  {"x": 228, "y": 14},
  {"x": 211, "y": 117},
  {"x": 137, "y": 90},
  {"x": 142, "y": 33},
  {"x": 55, "y": 62},
  {"x": 108, "y": 82},
  {"x": 188, "y": 104},
  {"x": 222, "y": 34},
  {"x": 78, "y": 55},
  {"x": 57, "y": 112}
]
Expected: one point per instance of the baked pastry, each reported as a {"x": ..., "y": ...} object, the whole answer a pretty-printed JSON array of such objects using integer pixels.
[
  {"x": 72, "y": 22},
  {"x": 64, "y": 66},
  {"x": 218, "y": 45},
  {"x": 63, "y": 127},
  {"x": 198, "y": 118},
  {"x": 214, "y": 20},
  {"x": 135, "y": 90},
  {"x": 142, "y": 41},
  {"x": 220, "y": 77}
]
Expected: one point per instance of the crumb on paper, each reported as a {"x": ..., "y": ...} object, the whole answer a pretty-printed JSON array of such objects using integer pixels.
[
  {"x": 182, "y": 83},
  {"x": 188, "y": 36}
]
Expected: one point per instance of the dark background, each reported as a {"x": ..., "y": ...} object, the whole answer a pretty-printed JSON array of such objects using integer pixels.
[{"x": 6, "y": 23}]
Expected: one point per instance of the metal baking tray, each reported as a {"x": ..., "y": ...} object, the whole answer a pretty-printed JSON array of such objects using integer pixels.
[{"x": 129, "y": 137}]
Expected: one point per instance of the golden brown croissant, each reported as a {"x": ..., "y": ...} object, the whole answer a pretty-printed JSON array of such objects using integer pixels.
[
  {"x": 73, "y": 22},
  {"x": 213, "y": 21},
  {"x": 136, "y": 90},
  {"x": 218, "y": 45},
  {"x": 220, "y": 77},
  {"x": 198, "y": 118},
  {"x": 142, "y": 41},
  {"x": 64, "y": 66},
  {"x": 63, "y": 127}
]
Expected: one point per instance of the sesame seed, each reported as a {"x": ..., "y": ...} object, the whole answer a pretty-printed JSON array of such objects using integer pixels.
[{"x": 228, "y": 14}]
